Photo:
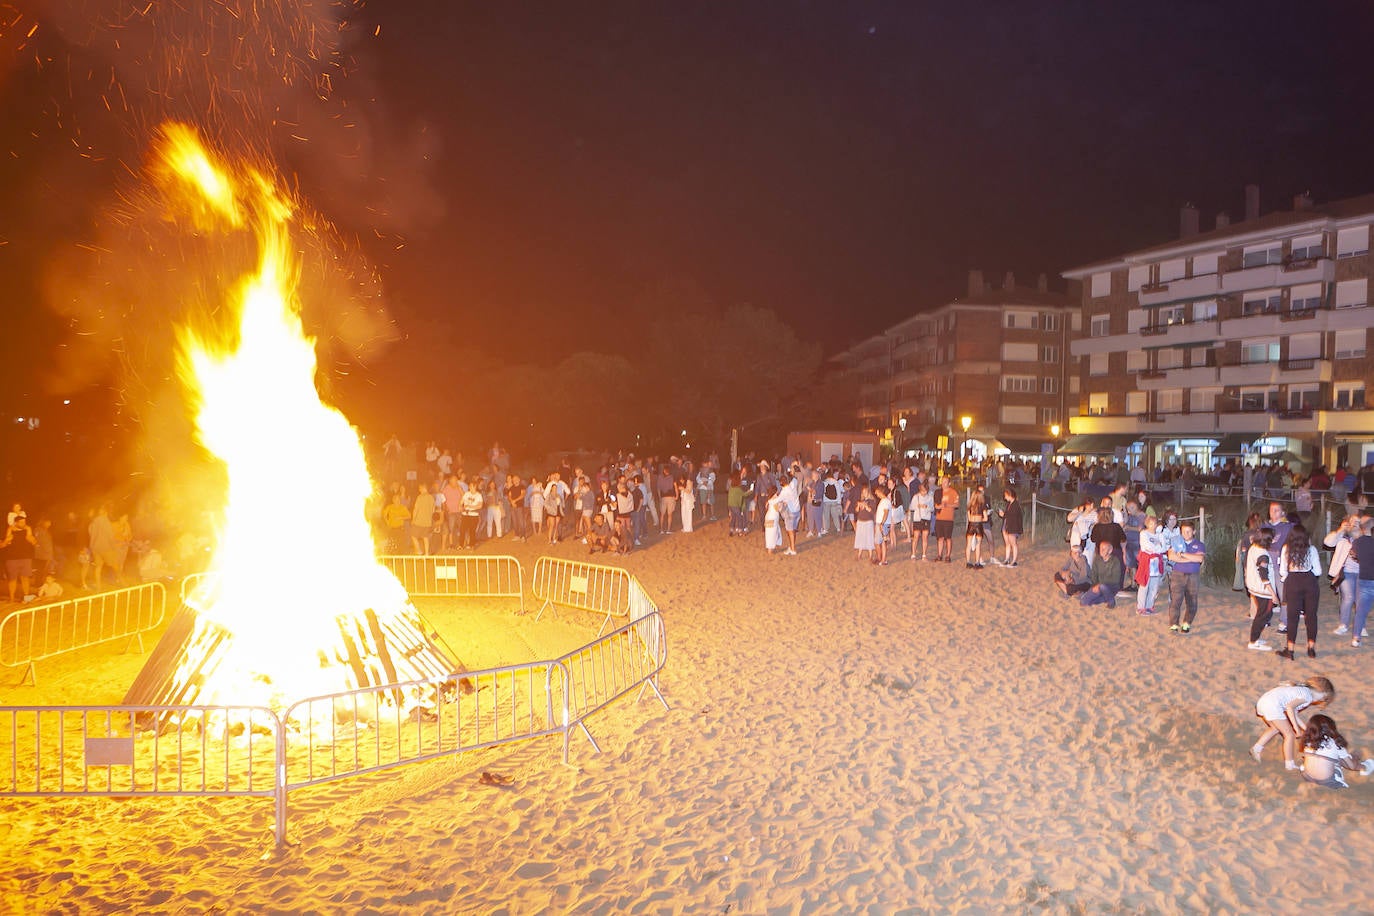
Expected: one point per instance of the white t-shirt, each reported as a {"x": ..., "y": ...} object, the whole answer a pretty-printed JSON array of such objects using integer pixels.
[{"x": 1272, "y": 704}]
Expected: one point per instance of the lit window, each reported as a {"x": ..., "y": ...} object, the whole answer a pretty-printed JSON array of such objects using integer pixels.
[
  {"x": 1097, "y": 403},
  {"x": 1261, "y": 302}
]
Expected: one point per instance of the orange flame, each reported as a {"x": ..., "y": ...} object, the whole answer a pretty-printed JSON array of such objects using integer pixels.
[{"x": 295, "y": 551}]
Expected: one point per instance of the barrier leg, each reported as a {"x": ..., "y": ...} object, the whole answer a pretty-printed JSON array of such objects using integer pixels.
[
  {"x": 547, "y": 604},
  {"x": 279, "y": 830},
  {"x": 30, "y": 676},
  {"x": 649, "y": 684}
]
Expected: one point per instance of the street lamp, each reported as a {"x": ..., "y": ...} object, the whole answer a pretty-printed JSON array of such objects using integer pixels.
[
  {"x": 965, "y": 421},
  {"x": 901, "y": 438},
  {"x": 1054, "y": 433}
]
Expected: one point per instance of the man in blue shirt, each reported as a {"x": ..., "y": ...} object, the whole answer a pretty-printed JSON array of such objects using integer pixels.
[{"x": 1186, "y": 552}]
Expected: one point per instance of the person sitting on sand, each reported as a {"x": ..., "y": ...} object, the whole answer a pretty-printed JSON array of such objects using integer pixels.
[
  {"x": 1072, "y": 577},
  {"x": 1105, "y": 577},
  {"x": 1279, "y": 709},
  {"x": 1325, "y": 755},
  {"x": 51, "y": 589},
  {"x": 602, "y": 536}
]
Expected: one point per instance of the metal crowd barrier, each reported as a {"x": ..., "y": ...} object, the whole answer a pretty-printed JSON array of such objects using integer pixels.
[
  {"x": 38, "y": 631},
  {"x": 141, "y": 750},
  {"x": 475, "y": 576},
  {"x": 251, "y": 751},
  {"x": 610, "y": 667},
  {"x": 607, "y": 590}
]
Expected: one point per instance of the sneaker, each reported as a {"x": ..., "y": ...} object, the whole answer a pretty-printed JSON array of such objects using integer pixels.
[
  {"x": 1291, "y": 766},
  {"x": 1364, "y": 634},
  {"x": 1260, "y": 645},
  {"x": 1173, "y": 628},
  {"x": 789, "y": 553},
  {"x": 1186, "y": 628},
  {"x": 1283, "y": 628},
  {"x": 1146, "y": 612},
  {"x": 1257, "y": 752},
  {"x": 1342, "y": 630}
]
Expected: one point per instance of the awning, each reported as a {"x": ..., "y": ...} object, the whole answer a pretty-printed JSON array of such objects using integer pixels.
[
  {"x": 1097, "y": 443},
  {"x": 1020, "y": 446},
  {"x": 1235, "y": 444}
]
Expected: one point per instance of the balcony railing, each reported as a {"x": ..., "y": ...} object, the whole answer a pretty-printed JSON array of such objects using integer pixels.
[
  {"x": 1153, "y": 373},
  {"x": 1291, "y": 264},
  {"x": 1299, "y": 314},
  {"x": 1297, "y": 365},
  {"x": 1154, "y": 287},
  {"x": 1151, "y": 330}
]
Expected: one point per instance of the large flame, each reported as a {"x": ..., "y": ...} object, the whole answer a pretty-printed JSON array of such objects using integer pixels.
[{"x": 295, "y": 551}]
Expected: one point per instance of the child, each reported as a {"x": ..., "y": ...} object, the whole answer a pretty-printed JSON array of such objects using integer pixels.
[
  {"x": 882, "y": 521},
  {"x": 1279, "y": 709},
  {"x": 51, "y": 589},
  {"x": 1325, "y": 756}
]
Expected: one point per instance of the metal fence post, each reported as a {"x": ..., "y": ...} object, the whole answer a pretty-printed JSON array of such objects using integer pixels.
[
  {"x": 280, "y": 794},
  {"x": 1035, "y": 505}
]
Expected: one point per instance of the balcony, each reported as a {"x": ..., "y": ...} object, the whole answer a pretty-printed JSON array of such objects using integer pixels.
[
  {"x": 1177, "y": 377},
  {"x": 1181, "y": 332},
  {"x": 1301, "y": 314},
  {"x": 1180, "y": 290},
  {"x": 1308, "y": 270}
]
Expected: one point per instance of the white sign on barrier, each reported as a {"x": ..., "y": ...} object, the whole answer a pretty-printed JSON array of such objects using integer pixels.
[
  {"x": 446, "y": 572},
  {"x": 577, "y": 584}
]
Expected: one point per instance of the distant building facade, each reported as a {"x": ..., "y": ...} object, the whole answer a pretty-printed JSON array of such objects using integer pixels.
[
  {"x": 998, "y": 356},
  {"x": 1251, "y": 339}
]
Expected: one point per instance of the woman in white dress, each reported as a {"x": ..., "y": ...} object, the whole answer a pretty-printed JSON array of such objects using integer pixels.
[
  {"x": 686, "y": 500},
  {"x": 864, "y": 511}
]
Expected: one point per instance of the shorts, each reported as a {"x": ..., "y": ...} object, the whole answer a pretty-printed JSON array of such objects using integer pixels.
[
  {"x": 898, "y": 514},
  {"x": 944, "y": 527},
  {"x": 19, "y": 569},
  {"x": 975, "y": 529},
  {"x": 790, "y": 519},
  {"x": 920, "y": 525}
]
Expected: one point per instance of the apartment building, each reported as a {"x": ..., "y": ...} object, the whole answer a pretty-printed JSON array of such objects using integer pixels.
[
  {"x": 1250, "y": 339},
  {"x": 997, "y": 355}
]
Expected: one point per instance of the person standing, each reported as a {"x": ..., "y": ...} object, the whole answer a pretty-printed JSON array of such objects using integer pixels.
[
  {"x": 1186, "y": 553},
  {"x": 687, "y": 501},
  {"x": 470, "y": 508},
  {"x": 18, "y": 549},
  {"x": 667, "y": 499},
  {"x": 421, "y": 521},
  {"x": 1281, "y": 526},
  {"x": 1299, "y": 566},
  {"x": 104, "y": 548},
  {"x": 944, "y": 522},
  {"x": 1363, "y": 549},
  {"x": 1012, "y": 526}
]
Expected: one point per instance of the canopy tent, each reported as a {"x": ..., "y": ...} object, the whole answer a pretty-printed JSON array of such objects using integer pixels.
[
  {"x": 1097, "y": 443},
  {"x": 1018, "y": 446},
  {"x": 1235, "y": 444}
]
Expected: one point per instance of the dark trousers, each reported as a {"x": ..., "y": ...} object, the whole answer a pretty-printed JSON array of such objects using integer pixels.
[
  {"x": 1264, "y": 609},
  {"x": 1182, "y": 591},
  {"x": 1301, "y": 594}
]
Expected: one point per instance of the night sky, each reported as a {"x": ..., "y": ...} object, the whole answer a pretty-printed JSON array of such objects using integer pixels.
[{"x": 842, "y": 164}]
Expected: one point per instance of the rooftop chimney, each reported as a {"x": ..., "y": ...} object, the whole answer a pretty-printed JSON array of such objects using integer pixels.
[
  {"x": 1223, "y": 219},
  {"x": 1042, "y": 283},
  {"x": 1009, "y": 282},
  {"x": 1303, "y": 201},
  {"x": 1188, "y": 221},
  {"x": 975, "y": 283},
  {"x": 1252, "y": 201}
]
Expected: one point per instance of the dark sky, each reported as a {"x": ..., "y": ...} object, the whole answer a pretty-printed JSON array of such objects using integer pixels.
[{"x": 841, "y": 163}]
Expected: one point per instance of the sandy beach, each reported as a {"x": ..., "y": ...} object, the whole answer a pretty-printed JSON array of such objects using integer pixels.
[{"x": 842, "y": 738}]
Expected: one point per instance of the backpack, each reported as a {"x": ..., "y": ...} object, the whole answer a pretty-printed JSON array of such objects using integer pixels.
[{"x": 832, "y": 493}]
